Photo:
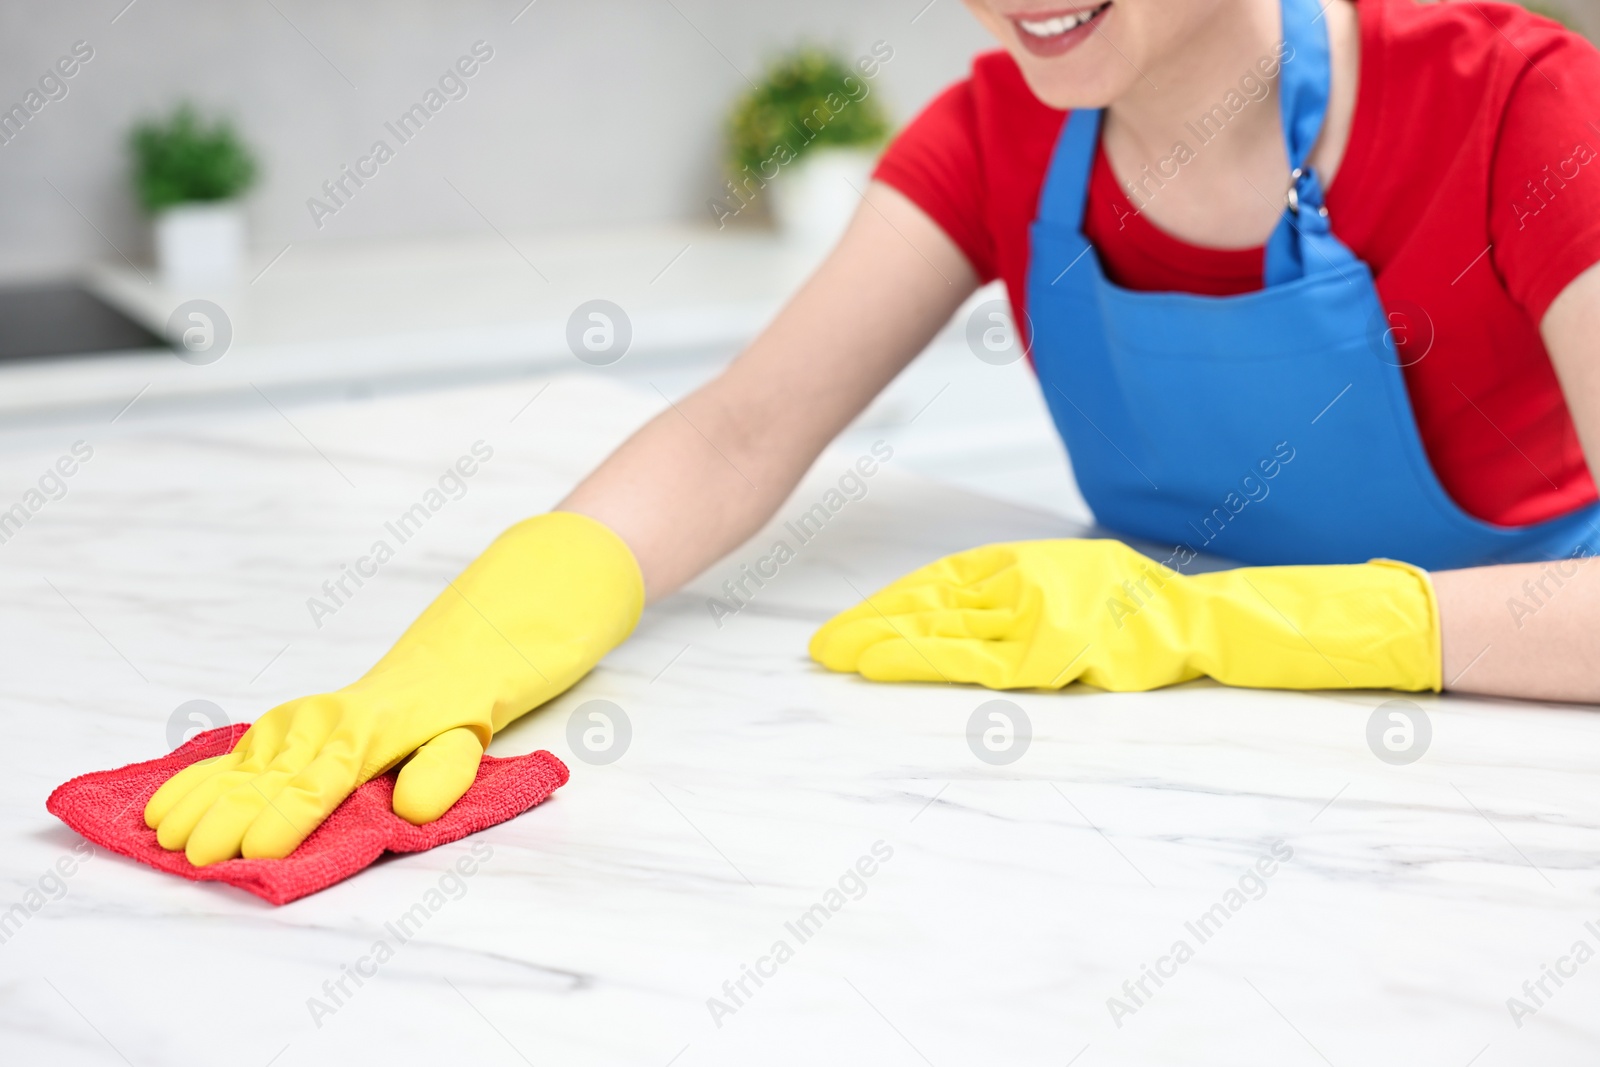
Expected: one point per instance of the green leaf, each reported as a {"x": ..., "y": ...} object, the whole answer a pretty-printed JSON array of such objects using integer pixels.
[
  {"x": 181, "y": 159},
  {"x": 806, "y": 99}
]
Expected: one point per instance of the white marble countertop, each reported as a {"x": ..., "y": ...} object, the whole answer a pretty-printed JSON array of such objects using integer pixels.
[
  {"x": 426, "y": 311},
  {"x": 1006, "y": 905}
]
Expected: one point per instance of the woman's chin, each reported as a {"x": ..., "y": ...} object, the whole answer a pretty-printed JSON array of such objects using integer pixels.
[{"x": 1076, "y": 80}]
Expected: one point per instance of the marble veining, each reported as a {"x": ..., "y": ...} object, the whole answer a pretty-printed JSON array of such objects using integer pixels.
[{"x": 1011, "y": 912}]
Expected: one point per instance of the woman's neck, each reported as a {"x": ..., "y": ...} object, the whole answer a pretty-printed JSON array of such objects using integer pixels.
[
  {"x": 1197, "y": 143},
  {"x": 1152, "y": 113}
]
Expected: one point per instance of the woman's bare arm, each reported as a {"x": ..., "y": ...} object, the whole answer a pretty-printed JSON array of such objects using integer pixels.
[
  {"x": 1533, "y": 629},
  {"x": 704, "y": 475}
]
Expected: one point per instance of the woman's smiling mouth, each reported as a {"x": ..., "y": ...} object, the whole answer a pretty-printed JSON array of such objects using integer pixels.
[{"x": 1051, "y": 33}]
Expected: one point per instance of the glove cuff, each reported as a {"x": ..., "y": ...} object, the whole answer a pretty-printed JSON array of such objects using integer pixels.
[
  {"x": 1368, "y": 625},
  {"x": 1425, "y": 659}
]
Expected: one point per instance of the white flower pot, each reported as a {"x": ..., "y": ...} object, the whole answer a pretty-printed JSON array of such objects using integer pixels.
[
  {"x": 200, "y": 246},
  {"x": 814, "y": 198}
]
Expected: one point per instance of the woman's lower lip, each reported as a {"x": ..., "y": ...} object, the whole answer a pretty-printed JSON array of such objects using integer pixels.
[{"x": 1062, "y": 42}]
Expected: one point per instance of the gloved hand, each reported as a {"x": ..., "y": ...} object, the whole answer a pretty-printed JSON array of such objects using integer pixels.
[
  {"x": 521, "y": 624},
  {"x": 1042, "y": 614}
]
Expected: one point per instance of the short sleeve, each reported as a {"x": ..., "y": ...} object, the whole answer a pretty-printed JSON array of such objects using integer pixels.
[
  {"x": 935, "y": 162},
  {"x": 1545, "y": 188}
]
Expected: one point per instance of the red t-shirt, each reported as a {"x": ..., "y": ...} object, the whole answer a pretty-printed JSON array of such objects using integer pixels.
[{"x": 1470, "y": 185}]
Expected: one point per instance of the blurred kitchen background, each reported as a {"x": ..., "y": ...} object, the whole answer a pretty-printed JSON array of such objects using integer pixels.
[
  {"x": 559, "y": 153},
  {"x": 589, "y": 115}
]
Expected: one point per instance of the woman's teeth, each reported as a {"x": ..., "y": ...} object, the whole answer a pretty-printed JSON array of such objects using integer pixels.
[{"x": 1061, "y": 23}]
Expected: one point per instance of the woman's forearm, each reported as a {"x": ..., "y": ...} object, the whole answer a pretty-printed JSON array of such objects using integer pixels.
[
  {"x": 1529, "y": 630},
  {"x": 705, "y": 474},
  {"x": 693, "y": 483}
]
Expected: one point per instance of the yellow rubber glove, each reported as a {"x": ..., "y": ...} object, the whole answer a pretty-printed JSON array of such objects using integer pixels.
[
  {"x": 1042, "y": 614},
  {"x": 525, "y": 621}
]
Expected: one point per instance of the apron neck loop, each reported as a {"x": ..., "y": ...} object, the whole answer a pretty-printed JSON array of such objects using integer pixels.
[
  {"x": 1303, "y": 79},
  {"x": 1304, "y": 74},
  {"x": 1066, "y": 187},
  {"x": 1302, "y": 243}
]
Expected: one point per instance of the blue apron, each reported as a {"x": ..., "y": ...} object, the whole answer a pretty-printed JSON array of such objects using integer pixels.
[{"x": 1269, "y": 427}]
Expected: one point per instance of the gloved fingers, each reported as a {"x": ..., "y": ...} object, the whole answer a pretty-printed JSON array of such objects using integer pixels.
[
  {"x": 302, "y": 736},
  {"x": 840, "y": 647},
  {"x": 174, "y": 789},
  {"x": 261, "y": 743},
  {"x": 1002, "y": 589},
  {"x": 905, "y": 600},
  {"x": 977, "y": 564},
  {"x": 293, "y": 743},
  {"x": 933, "y": 589},
  {"x": 221, "y": 827},
  {"x": 838, "y": 643},
  {"x": 294, "y": 729},
  {"x": 177, "y": 824},
  {"x": 305, "y": 801},
  {"x": 841, "y": 642},
  {"x": 939, "y": 659},
  {"x": 925, "y": 586},
  {"x": 437, "y": 776}
]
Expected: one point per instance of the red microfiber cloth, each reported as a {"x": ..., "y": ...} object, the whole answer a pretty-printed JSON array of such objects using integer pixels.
[{"x": 107, "y": 808}]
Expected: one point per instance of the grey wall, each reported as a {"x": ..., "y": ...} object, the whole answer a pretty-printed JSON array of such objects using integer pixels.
[{"x": 591, "y": 112}]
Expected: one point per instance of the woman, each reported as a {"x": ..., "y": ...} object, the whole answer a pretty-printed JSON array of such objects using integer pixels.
[{"x": 1189, "y": 203}]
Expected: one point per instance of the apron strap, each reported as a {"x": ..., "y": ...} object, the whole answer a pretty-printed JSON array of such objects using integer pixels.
[
  {"x": 1303, "y": 242},
  {"x": 1303, "y": 78},
  {"x": 1066, "y": 186}
]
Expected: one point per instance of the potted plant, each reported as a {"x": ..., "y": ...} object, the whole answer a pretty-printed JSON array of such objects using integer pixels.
[
  {"x": 189, "y": 176},
  {"x": 805, "y": 139}
]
